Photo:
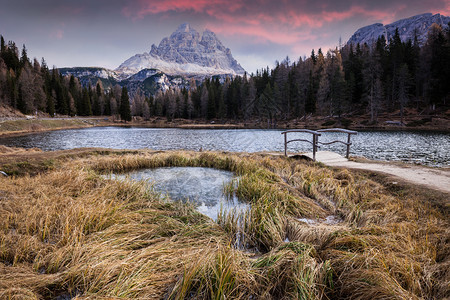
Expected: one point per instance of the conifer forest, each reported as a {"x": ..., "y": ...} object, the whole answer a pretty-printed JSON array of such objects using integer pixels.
[{"x": 351, "y": 80}]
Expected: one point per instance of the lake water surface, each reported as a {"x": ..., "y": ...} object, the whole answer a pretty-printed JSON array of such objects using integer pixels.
[
  {"x": 428, "y": 148},
  {"x": 201, "y": 186}
]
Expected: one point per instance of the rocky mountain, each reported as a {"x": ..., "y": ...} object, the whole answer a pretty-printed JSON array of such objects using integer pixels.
[
  {"x": 185, "y": 52},
  {"x": 91, "y": 75},
  {"x": 183, "y": 56},
  {"x": 408, "y": 28},
  {"x": 149, "y": 81}
]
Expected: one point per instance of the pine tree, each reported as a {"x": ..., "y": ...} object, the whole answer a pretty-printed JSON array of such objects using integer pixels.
[
  {"x": 86, "y": 109},
  {"x": 107, "y": 108},
  {"x": 211, "y": 105},
  {"x": 51, "y": 104},
  {"x": 310, "y": 103},
  {"x": 204, "y": 101},
  {"x": 24, "y": 58},
  {"x": 124, "y": 110},
  {"x": 376, "y": 98},
  {"x": 11, "y": 86},
  {"x": 21, "y": 101},
  {"x": 438, "y": 79},
  {"x": 2, "y": 44},
  {"x": 11, "y": 57},
  {"x": 313, "y": 57},
  {"x": 97, "y": 100}
]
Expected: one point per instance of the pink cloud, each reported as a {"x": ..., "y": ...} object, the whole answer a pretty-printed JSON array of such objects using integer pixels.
[
  {"x": 317, "y": 20},
  {"x": 285, "y": 22},
  {"x": 146, "y": 7},
  {"x": 385, "y": 16},
  {"x": 263, "y": 34},
  {"x": 254, "y": 13},
  {"x": 443, "y": 11}
]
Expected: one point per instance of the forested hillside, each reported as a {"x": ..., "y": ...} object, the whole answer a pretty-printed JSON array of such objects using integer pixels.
[
  {"x": 353, "y": 80},
  {"x": 31, "y": 87}
]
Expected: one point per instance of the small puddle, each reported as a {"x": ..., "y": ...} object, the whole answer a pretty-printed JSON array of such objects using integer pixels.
[
  {"x": 330, "y": 220},
  {"x": 202, "y": 186}
]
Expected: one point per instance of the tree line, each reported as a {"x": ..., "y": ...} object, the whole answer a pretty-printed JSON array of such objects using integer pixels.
[
  {"x": 346, "y": 81},
  {"x": 31, "y": 87}
]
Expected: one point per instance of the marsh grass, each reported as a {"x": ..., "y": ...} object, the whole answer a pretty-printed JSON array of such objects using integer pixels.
[{"x": 71, "y": 232}]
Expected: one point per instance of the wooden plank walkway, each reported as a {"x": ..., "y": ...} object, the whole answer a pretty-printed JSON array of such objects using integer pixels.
[
  {"x": 327, "y": 157},
  {"x": 438, "y": 179}
]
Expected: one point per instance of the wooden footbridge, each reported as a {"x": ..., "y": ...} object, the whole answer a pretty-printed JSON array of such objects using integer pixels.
[
  {"x": 324, "y": 155},
  {"x": 437, "y": 179}
]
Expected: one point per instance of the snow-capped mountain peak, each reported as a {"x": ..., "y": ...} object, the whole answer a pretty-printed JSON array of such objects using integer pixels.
[{"x": 185, "y": 52}]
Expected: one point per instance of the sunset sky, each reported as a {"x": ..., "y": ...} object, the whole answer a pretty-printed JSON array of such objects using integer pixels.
[{"x": 106, "y": 32}]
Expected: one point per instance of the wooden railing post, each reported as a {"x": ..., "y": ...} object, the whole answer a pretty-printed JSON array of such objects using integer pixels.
[
  {"x": 314, "y": 140},
  {"x": 314, "y": 146},
  {"x": 285, "y": 143},
  {"x": 348, "y": 146},
  {"x": 348, "y": 132}
]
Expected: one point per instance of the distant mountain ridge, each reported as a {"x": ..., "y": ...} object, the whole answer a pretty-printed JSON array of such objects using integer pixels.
[
  {"x": 185, "y": 52},
  {"x": 186, "y": 55},
  {"x": 407, "y": 28},
  {"x": 182, "y": 56}
]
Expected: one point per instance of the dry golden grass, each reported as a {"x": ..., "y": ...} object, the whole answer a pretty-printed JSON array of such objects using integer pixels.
[
  {"x": 71, "y": 232},
  {"x": 14, "y": 150},
  {"x": 24, "y": 126}
]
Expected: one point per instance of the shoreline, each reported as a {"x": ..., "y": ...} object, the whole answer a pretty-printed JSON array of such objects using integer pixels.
[
  {"x": 20, "y": 127},
  {"x": 386, "y": 169}
]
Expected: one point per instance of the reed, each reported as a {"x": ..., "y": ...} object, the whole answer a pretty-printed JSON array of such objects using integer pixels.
[{"x": 293, "y": 270}]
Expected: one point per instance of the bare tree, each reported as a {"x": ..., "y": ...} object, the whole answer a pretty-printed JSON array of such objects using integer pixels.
[
  {"x": 402, "y": 89},
  {"x": 3, "y": 70},
  {"x": 250, "y": 99},
  {"x": 324, "y": 105},
  {"x": 137, "y": 105},
  {"x": 376, "y": 98},
  {"x": 27, "y": 90},
  {"x": 113, "y": 104},
  {"x": 146, "y": 111},
  {"x": 204, "y": 101},
  {"x": 171, "y": 103},
  {"x": 40, "y": 98},
  {"x": 190, "y": 105}
]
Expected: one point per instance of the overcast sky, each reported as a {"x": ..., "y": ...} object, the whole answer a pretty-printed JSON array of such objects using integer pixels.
[{"x": 258, "y": 32}]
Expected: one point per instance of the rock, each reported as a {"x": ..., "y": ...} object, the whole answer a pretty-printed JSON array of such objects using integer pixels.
[
  {"x": 185, "y": 52},
  {"x": 407, "y": 28}
]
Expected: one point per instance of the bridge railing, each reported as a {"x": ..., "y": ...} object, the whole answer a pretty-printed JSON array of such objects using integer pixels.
[
  {"x": 314, "y": 142},
  {"x": 348, "y": 132},
  {"x": 315, "y": 138}
]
